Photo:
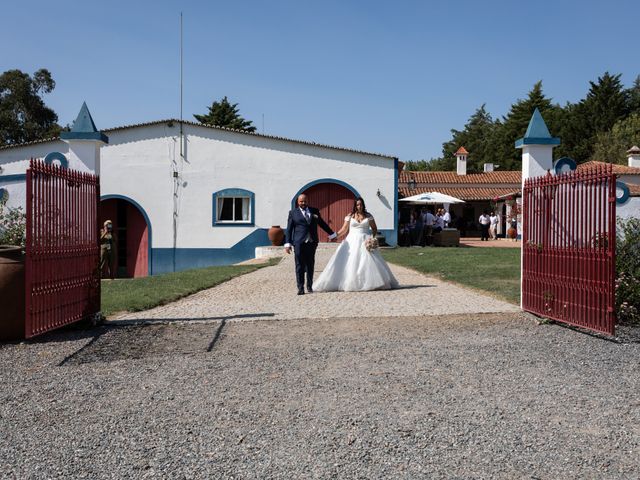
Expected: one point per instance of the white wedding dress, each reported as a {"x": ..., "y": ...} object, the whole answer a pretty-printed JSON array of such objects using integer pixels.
[{"x": 353, "y": 268}]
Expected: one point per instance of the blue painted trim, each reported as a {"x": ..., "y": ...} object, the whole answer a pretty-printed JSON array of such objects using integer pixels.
[
  {"x": 570, "y": 162},
  {"x": 84, "y": 136},
  {"x": 625, "y": 192},
  {"x": 233, "y": 192},
  {"x": 390, "y": 236},
  {"x": 146, "y": 219},
  {"x": 396, "y": 175},
  {"x": 323, "y": 180},
  {"x": 537, "y": 141},
  {"x": 187, "y": 258},
  {"x": 64, "y": 163},
  {"x": 13, "y": 177}
]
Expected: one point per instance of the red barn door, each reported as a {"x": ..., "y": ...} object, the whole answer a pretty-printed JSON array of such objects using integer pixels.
[{"x": 334, "y": 202}]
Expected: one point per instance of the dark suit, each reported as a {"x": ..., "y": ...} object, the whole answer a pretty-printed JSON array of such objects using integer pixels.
[{"x": 303, "y": 236}]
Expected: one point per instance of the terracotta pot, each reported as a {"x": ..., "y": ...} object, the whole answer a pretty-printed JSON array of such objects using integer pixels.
[
  {"x": 11, "y": 292},
  {"x": 512, "y": 232},
  {"x": 276, "y": 235}
]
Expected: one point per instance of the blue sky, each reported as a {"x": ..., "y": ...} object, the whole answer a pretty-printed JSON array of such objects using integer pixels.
[{"x": 381, "y": 76}]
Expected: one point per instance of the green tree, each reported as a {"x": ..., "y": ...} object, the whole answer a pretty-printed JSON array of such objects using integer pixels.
[
  {"x": 433, "y": 165},
  {"x": 225, "y": 114},
  {"x": 606, "y": 103},
  {"x": 612, "y": 146},
  {"x": 634, "y": 96},
  {"x": 24, "y": 117},
  {"x": 475, "y": 138},
  {"x": 514, "y": 126}
]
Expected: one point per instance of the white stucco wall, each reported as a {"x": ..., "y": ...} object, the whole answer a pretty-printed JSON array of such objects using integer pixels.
[
  {"x": 629, "y": 209},
  {"x": 138, "y": 163}
]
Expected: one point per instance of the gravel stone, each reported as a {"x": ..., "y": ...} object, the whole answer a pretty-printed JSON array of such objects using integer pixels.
[{"x": 422, "y": 395}]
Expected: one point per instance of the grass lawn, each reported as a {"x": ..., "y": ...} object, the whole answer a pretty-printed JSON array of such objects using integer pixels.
[
  {"x": 136, "y": 294},
  {"x": 494, "y": 270}
]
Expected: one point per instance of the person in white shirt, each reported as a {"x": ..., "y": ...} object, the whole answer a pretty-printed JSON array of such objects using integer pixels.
[
  {"x": 493, "y": 226},
  {"x": 446, "y": 217},
  {"x": 485, "y": 222}
]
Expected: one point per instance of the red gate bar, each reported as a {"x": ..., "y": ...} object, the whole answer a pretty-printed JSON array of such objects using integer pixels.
[
  {"x": 62, "y": 281},
  {"x": 568, "y": 248}
]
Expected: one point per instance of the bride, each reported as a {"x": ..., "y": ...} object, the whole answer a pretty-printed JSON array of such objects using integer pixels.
[{"x": 353, "y": 267}]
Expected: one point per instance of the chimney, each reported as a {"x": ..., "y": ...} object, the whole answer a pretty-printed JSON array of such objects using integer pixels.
[
  {"x": 461, "y": 155},
  {"x": 634, "y": 156},
  {"x": 488, "y": 167}
]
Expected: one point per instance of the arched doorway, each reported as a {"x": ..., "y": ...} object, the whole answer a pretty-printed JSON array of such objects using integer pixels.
[
  {"x": 334, "y": 201},
  {"x": 132, "y": 236}
]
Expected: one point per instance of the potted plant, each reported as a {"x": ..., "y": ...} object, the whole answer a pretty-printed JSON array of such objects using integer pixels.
[{"x": 12, "y": 243}]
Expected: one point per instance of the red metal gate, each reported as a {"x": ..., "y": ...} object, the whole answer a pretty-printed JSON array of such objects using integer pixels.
[
  {"x": 62, "y": 281},
  {"x": 568, "y": 248}
]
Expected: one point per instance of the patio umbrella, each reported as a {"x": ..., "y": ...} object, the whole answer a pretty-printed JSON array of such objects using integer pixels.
[{"x": 431, "y": 198}]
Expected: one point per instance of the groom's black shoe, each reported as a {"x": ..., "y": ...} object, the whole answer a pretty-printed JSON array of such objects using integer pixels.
[
  {"x": 300, "y": 292},
  {"x": 309, "y": 290}
]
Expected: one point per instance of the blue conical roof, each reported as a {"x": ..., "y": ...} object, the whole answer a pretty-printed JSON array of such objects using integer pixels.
[
  {"x": 537, "y": 132},
  {"x": 84, "y": 128}
]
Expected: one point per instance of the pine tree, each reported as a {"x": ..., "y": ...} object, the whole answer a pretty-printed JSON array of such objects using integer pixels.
[
  {"x": 606, "y": 103},
  {"x": 515, "y": 124},
  {"x": 224, "y": 114},
  {"x": 475, "y": 138}
]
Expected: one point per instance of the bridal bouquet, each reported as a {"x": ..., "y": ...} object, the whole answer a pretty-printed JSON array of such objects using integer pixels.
[{"x": 371, "y": 244}]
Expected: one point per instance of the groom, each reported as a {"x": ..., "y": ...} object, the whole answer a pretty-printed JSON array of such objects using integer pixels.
[{"x": 302, "y": 234}]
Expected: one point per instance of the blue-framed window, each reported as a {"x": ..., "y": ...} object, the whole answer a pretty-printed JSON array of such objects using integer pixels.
[{"x": 233, "y": 207}]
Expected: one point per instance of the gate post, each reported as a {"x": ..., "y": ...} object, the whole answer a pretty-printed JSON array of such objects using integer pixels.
[{"x": 537, "y": 159}]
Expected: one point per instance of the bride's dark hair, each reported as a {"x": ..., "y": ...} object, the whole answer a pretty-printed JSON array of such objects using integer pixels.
[{"x": 364, "y": 208}]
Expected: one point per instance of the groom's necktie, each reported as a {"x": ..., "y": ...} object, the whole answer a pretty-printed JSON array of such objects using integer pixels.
[{"x": 308, "y": 219}]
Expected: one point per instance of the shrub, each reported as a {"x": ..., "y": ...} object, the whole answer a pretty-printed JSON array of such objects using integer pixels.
[
  {"x": 628, "y": 271},
  {"x": 13, "y": 222}
]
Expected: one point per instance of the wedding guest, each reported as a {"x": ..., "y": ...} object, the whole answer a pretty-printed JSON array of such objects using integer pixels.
[
  {"x": 493, "y": 226},
  {"x": 439, "y": 222},
  {"x": 446, "y": 218},
  {"x": 484, "y": 222}
]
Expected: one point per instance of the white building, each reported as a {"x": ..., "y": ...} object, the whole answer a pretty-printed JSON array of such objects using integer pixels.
[{"x": 212, "y": 201}]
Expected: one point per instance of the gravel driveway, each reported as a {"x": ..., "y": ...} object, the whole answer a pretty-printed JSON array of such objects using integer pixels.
[
  {"x": 271, "y": 293},
  {"x": 426, "y": 394}
]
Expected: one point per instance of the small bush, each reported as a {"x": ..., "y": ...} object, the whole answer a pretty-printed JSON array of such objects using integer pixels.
[
  {"x": 628, "y": 271},
  {"x": 13, "y": 223}
]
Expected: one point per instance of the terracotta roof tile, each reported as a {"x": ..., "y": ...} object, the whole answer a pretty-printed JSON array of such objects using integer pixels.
[
  {"x": 186, "y": 122},
  {"x": 502, "y": 177},
  {"x": 461, "y": 151},
  {"x": 619, "y": 169},
  {"x": 463, "y": 193},
  {"x": 634, "y": 190}
]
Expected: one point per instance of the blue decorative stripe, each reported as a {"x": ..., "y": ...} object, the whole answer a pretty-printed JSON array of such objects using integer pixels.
[
  {"x": 13, "y": 178},
  {"x": 233, "y": 192},
  {"x": 84, "y": 136},
  {"x": 536, "y": 141},
  {"x": 563, "y": 162},
  {"x": 186, "y": 258},
  {"x": 146, "y": 219},
  {"x": 323, "y": 180},
  {"x": 64, "y": 163},
  {"x": 625, "y": 192}
]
